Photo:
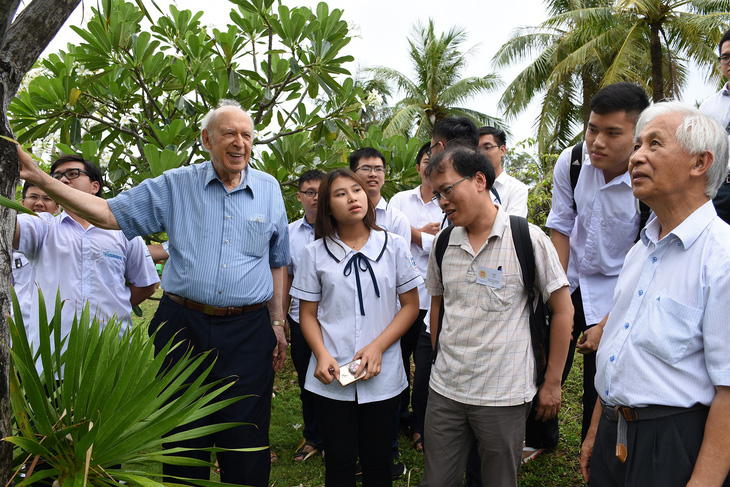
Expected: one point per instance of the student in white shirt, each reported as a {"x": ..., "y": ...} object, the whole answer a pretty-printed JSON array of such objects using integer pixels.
[
  {"x": 512, "y": 192},
  {"x": 348, "y": 283}
]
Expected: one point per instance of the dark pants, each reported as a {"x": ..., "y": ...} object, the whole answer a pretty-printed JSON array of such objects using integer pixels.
[
  {"x": 300, "y": 354},
  {"x": 242, "y": 347},
  {"x": 408, "y": 345},
  {"x": 544, "y": 434},
  {"x": 660, "y": 452},
  {"x": 421, "y": 378},
  {"x": 349, "y": 429}
]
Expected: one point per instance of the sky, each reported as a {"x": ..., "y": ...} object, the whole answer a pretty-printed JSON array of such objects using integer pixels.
[{"x": 381, "y": 29}]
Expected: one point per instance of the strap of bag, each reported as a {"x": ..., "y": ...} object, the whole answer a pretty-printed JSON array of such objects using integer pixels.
[
  {"x": 441, "y": 243},
  {"x": 576, "y": 163},
  {"x": 496, "y": 194}
]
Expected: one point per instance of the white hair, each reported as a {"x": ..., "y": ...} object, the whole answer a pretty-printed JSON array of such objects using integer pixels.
[
  {"x": 207, "y": 120},
  {"x": 697, "y": 133}
]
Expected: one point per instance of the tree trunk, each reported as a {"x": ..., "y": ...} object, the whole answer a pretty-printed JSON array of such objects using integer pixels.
[
  {"x": 22, "y": 40},
  {"x": 657, "y": 72}
]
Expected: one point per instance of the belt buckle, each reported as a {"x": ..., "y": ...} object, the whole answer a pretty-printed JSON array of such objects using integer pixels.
[
  {"x": 231, "y": 310},
  {"x": 628, "y": 413},
  {"x": 209, "y": 310}
]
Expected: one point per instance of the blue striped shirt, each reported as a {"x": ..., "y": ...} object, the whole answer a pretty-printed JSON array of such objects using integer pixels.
[{"x": 222, "y": 243}]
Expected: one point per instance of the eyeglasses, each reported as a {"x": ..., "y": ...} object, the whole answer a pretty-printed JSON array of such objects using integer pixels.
[
  {"x": 490, "y": 147},
  {"x": 448, "y": 192},
  {"x": 70, "y": 174},
  {"x": 368, "y": 169},
  {"x": 310, "y": 193},
  {"x": 37, "y": 197},
  {"x": 724, "y": 59},
  {"x": 432, "y": 148}
]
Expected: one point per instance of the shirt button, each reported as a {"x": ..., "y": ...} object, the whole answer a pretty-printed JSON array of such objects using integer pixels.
[
  {"x": 626, "y": 325},
  {"x": 653, "y": 259},
  {"x": 607, "y": 392},
  {"x": 228, "y": 217},
  {"x": 226, "y": 241},
  {"x": 641, "y": 293},
  {"x": 611, "y": 358},
  {"x": 224, "y": 266},
  {"x": 220, "y": 292}
]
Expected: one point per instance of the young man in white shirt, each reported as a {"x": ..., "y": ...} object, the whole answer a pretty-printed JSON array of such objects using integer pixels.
[
  {"x": 425, "y": 218},
  {"x": 301, "y": 234},
  {"x": 512, "y": 192},
  {"x": 592, "y": 229}
]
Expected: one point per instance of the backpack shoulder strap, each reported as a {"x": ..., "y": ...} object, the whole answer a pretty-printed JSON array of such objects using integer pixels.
[
  {"x": 576, "y": 163},
  {"x": 644, "y": 212},
  {"x": 440, "y": 249},
  {"x": 525, "y": 254},
  {"x": 496, "y": 194}
]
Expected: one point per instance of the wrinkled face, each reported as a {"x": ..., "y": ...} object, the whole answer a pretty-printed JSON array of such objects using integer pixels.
[
  {"x": 229, "y": 139},
  {"x": 493, "y": 151},
  {"x": 372, "y": 171},
  {"x": 309, "y": 203},
  {"x": 82, "y": 183},
  {"x": 462, "y": 207},
  {"x": 348, "y": 201},
  {"x": 725, "y": 52},
  {"x": 37, "y": 200},
  {"x": 610, "y": 141},
  {"x": 659, "y": 166}
]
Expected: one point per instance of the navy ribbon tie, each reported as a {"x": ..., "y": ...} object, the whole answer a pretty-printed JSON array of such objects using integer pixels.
[{"x": 359, "y": 261}]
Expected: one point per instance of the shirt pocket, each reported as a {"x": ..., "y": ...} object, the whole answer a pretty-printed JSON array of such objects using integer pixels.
[
  {"x": 503, "y": 298},
  {"x": 110, "y": 266},
  {"x": 257, "y": 236},
  {"x": 668, "y": 329}
]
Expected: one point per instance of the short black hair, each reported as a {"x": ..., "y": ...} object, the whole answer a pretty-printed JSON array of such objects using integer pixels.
[
  {"x": 422, "y": 151},
  {"x": 26, "y": 186},
  {"x": 364, "y": 153},
  {"x": 724, "y": 39},
  {"x": 311, "y": 175},
  {"x": 466, "y": 161},
  {"x": 499, "y": 136},
  {"x": 457, "y": 130},
  {"x": 618, "y": 97},
  {"x": 92, "y": 169}
]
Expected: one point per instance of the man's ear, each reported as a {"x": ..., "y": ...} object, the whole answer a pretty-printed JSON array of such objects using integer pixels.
[
  {"x": 206, "y": 137},
  {"x": 702, "y": 163},
  {"x": 95, "y": 186},
  {"x": 481, "y": 180}
]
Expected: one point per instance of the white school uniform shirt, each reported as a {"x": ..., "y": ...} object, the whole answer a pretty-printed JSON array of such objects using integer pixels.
[
  {"x": 328, "y": 274},
  {"x": 393, "y": 220},
  {"x": 301, "y": 234},
  {"x": 601, "y": 231},
  {"x": 419, "y": 213},
  {"x": 512, "y": 193},
  {"x": 717, "y": 106}
]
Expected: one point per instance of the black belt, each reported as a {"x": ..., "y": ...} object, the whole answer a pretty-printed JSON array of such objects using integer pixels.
[
  {"x": 625, "y": 414},
  {"x": 214, "y": 310}
]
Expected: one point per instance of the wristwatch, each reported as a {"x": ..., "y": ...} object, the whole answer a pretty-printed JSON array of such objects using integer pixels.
[{"x": 277, "y": 323}]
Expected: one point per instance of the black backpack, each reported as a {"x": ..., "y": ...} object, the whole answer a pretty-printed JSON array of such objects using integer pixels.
[
  {"x": 539, "y": 329},
  {"x": 576, "y": 163}
]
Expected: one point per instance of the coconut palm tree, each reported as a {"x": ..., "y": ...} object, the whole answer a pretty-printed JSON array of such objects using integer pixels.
[
  {"x": 438, "y": 89},
  {"x": 587, "y": 44}
]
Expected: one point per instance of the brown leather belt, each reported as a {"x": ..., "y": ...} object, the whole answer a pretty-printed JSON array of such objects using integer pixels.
[{"x": 214, "y": 310}]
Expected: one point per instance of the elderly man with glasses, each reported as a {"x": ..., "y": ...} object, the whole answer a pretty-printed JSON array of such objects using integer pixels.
[{"x": 84, "y": 262}]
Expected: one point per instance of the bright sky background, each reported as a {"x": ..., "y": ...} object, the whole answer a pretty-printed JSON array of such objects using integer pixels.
[{"x": 381, "y": 29}]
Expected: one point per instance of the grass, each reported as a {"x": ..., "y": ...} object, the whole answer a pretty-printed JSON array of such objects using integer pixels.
[{"x": 555, "y": 468}]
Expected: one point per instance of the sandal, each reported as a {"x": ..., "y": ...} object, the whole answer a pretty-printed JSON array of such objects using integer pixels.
[
  {"x": 307, "y": 450},
  {"x": 529, "y": 453},
  {"x": 273, "y": 456},
  {"x": 417, "y": 442}
]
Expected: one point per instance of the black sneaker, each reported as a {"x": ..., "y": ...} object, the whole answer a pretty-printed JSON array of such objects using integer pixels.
[{"x": 398, "y": 469}]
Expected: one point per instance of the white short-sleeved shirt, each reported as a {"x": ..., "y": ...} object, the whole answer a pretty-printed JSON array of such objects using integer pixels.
[
  {"x": 601, "y": 231},
  {"x": 419, "y": 213},
  {"x": 328, "y": 275},
  {"x": 85, "y": 265},
  {"x": 393, "y": 220},
  {"x": 717, "y": 106},
  {"x": 512, "y": 194},
  {"x": 485, "y": 353},
  {"x": 667, "y": 339},
  {"x": 301, "y": 234}
]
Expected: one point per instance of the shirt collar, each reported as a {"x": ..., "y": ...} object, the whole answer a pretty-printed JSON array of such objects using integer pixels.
[
  {"x": 382, "y": 204},
  {"x": 211, "y": 175},
  {"x": 372, "y": 249},
  {"x": 726, "y": 89},
  {"x": 687, "y": 232},
  {"x": 460, "y": 236}
]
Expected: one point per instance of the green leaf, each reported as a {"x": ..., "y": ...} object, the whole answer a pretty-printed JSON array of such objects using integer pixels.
[{"x": 15, "y": 206}]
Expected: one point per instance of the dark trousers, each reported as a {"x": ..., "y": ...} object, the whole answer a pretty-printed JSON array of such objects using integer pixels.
[
  {"x": 421, "y": 378},
  {"x": 349, "y": 429},
  {"x": 408, "y": 345},
  {"x": 544, "y": 434},
  {"x": 300, "y": 354},
  {"x": 660, "y": 452},
  {"x": 242, "y": 348}
]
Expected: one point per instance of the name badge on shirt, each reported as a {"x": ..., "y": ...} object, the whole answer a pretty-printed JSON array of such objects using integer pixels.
[{"x": 490, "y": 277}]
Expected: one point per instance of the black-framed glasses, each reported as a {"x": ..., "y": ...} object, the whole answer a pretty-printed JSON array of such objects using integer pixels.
[
  {"x": 310, "y": 193},
  {"x": 70, "y": 174},
  {"x": 432, "y": 148},
  {"x": 448, "y": 192},
  {"x": 366, "y": 169},
  {"x": 490, "y": 147},
  {"x": 724, "y": 59}
]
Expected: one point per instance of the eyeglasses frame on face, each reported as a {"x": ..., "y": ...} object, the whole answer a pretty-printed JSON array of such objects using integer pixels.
[
  {"x": 724, "y": 59},
  {"x": 36, "y": 197},
  {"x": 367, "y": 169},
  {"x": 490, "y": 147},
  {"x": 310, "y": 193},
  {"x": 449, "y": 189},
  {"x": 60, "y": 175},
  {"x": 428, "y": 152}
]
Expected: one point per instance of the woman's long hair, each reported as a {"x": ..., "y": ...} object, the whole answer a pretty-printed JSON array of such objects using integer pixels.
[{"x": 326, "y": 226}]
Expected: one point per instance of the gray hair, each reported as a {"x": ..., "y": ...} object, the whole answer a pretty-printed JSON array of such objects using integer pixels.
[
  {"x": 696, "y": 134},
  {"x": 205, "y": 123}
]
